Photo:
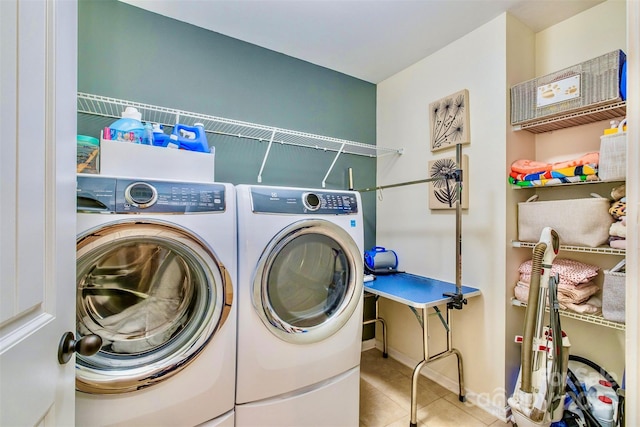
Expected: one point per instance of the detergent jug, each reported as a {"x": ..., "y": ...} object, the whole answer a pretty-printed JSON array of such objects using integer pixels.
[
  {"x": 192, "y": 138},
  {"x": 147, "y": 137},
  {"x": 160, "y": 139},
  {"x": 129, "y": 128}
]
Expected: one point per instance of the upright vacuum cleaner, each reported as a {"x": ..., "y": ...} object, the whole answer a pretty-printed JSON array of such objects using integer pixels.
[{"x": 538, "y": 399}]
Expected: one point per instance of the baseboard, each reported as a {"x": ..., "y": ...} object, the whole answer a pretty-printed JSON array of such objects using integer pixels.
[
  {"x": 502, "y": 413},
  {"x": 369, "y": 344}
]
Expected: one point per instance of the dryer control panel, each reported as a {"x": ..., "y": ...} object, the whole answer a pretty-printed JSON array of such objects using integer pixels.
[
  {"x": 127, "y": 195},
  {"x": 301, "y": 201}
]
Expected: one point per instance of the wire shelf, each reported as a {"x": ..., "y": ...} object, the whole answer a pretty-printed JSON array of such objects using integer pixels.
[
  {"x": 589, "y": 318},
  {"x": 111, "y": 107},
  {"x": 569, "y": 248},
  {"x": 595, "y": 114}
]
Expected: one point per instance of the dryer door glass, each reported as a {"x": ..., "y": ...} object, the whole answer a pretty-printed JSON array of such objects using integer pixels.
[
  {"x": 308, "y": 280},
  {"x": 155, "y": 295},
  {"x": 311, "y": 281}
]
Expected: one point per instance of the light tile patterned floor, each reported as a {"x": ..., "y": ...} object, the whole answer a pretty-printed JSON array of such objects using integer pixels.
[{"x": 385, "y": 399}]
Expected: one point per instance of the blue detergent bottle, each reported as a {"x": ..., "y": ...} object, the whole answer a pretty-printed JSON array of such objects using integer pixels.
[
  {"x": 129, "y": 128},
  {"x": 192, "y": 138},
  {"x": 160, "y": 139}
]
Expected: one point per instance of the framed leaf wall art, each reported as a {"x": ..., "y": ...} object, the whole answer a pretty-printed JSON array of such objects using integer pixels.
[
  {"x": 442, "y": 192},
  {"x": 449, "y": 121}
]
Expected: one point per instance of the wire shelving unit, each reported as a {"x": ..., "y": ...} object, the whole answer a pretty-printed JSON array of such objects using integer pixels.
[{"x": 111, "y": 107}]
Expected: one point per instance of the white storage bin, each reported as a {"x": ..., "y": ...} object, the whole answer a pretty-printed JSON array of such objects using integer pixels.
[
  {"x": 148, "y": 161},
  {"x": 580, "y": 222},
  {"x": 613, "y": 155}
]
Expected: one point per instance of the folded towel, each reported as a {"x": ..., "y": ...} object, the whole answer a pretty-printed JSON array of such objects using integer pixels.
[
  {"x": 588, "y": 307},
  {"x": 553, "y": 181},
  {"x": 571, "y": 271},
  {"x": 590, "y": 169},
  {"x": 576, "y": 295},
  {"x": 591, "y": 305},
  {"x": 618, "y": 244},
  {"x": 618, "y": 192},
  {"x": 563, "y": 283},
  {"x": 529, "y": 166},
  {"x": 618, "y": 229}
]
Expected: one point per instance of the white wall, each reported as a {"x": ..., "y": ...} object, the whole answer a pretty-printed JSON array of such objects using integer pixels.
[
  {"x": 486, "y": 62},
  {"x": 424, "y": 239},
  {"x": 595, "y": 32}
]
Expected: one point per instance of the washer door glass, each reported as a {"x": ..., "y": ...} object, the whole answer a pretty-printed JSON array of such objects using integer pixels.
[
  {"x": 309, "y": 282},
  {"x": 154, "y": 293}
]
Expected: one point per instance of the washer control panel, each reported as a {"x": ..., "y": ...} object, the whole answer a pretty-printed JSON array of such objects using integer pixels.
[
  {"x": 299, "y": 201},
  {"x": 96, "y": 193}
]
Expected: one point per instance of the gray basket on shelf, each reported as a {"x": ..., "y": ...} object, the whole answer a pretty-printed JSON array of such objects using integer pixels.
[
  {"x": 613, "y": 293},
  {"x": 599, "y": 84}
]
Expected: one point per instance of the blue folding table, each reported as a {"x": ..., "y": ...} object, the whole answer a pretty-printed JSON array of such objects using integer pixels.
[{"x": 420, "y": 293}]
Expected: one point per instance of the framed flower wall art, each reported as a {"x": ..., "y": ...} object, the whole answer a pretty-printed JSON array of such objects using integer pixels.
[
  {"x": 443, "y": 192},
  {"x": 449, "y": 121}
]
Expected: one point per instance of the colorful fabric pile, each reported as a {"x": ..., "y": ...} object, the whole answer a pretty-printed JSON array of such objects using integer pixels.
[
  {"x": 618, "y": 230},
  {"x": 530, "y": 173},
  {"x": 576, "y": 290}
]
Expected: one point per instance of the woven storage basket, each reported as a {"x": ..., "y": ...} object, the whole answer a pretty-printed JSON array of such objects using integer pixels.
[
  {"x": 613, "y": 294},
  {"x": 592, "y": 83},
  {"x": 613, "y": 156},
  {"x": 580, "y": 222}
]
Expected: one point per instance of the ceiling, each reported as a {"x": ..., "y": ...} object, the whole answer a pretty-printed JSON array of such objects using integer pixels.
[{"x": 367, "y": 39}]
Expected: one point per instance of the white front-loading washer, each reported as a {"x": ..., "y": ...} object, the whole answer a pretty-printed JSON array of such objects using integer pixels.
[
  {"x": 300, "y": 296},
  {"x": 156, "y": 280}
]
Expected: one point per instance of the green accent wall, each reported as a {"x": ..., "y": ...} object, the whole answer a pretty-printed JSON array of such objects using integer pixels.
[{"x": 128, "y": 53}]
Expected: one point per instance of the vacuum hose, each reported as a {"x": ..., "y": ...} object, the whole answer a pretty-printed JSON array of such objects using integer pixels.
[
  {"x": 530, "y": 318},
  {"x": 560, "y": 361}
]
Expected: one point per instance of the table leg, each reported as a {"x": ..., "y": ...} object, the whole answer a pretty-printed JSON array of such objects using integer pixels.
[
  {"x": 416, "y": 372},
  {"x": 461, "y": 396},
  {"x": 385, "y": 354},
  {"x": 426, "y": 359},
  {"x": 450, "y": 350}
]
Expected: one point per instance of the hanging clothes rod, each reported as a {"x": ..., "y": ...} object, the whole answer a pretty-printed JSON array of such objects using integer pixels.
[
  {"x": 457, "y": 299},
  {"x": 402, "y": 184},
  {"x": 456, "y": 175}
]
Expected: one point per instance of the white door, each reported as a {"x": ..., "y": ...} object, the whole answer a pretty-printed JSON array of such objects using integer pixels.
[{"x": 37, "y": 209}]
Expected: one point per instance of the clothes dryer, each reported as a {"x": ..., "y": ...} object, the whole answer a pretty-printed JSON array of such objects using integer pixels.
[
  {"x": 156, "y": 280},
  {"x": 300, "y": 296}
]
